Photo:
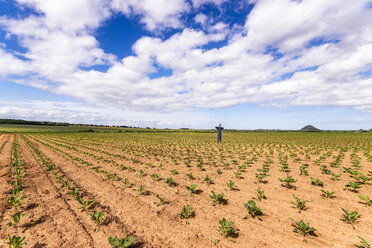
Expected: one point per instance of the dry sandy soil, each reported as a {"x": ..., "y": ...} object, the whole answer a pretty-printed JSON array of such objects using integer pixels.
[{"x": 54, "y": 220}]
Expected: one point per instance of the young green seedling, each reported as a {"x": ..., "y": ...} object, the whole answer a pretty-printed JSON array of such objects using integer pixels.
[
  {"x": 226, "y": 227},
  {"x": 353, "y": 186},
  {"x": 231, "y": 185},
  {"x": 367, "y": 199},
  {"x": 303, "y": 228},
  {"x": 225, "y": 165},
  {"x": 260, "y": 177},
  {"x": 325, "y": 170},
  {"x": 351, "y": 171},
  {"x": 187, "y": 163},
  {"x": 303, "y": 170},
  {"x": 190, "y": 176},
  {"x": 301, "y": 205},
  {"x": 364, "y": 243},
  {"x": 66, "y": 185},
  {"x": 217, "y": 198},
  {"x": 125, "y": 182},
  {"x": 253, "y": 210},
  {"x": 75, "y": 193},
  {"x": 141, "y": 190},
  {"x": 141, "y": 173},
  {"x": 98, "y": 218},
  {"x": 191, "y": 189},
  {"x": 114, "y": 176},
  {"x": 260, "y": 194},
  {"x": 155, "y": 177},
  {"x": 60, "y": 179},
  {"x": 285, "y": 168},
  {"x": 16, "y": 218},
  {"x": 336, "y": 177},
  {"x": 84, "y": 204},
  {"x": 208, "y": 180},
  {"x": 16, "y": 191},
  {"x": 161, "y": 200},
  {"x": 362, "y": 179},
  {"x": 327, "y": 194},
  {"x": 350, "y": 217},
  {"x": 50, "y": 166},
  {"x": 16, "y": 241},
  {"x": 288, "y": 181},
  {"x": 170, "y": 182},
  {"x": 18, "y": 184},
  {"x": 263, "y": 171},
  {"x": 15, "y": 201},
  {"x": 122, "y": 243},
  {"x": 186, "y": 212},
  {"x": 238, "y": 174},
  {"x": 316, "y": 182}
]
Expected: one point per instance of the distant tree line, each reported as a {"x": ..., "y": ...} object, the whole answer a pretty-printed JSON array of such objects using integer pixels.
[{"x": 45, "y": 123}]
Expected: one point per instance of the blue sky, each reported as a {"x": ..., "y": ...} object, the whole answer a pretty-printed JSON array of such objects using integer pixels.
[{"x": 249, "y": 64}]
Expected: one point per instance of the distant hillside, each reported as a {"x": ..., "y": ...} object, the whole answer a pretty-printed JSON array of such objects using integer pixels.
[{"x": 310, "y": 128}]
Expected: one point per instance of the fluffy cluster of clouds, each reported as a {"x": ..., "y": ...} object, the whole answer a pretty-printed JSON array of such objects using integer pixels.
[
  {"x": 72, "y": 112},
  {"x": 309, "y": 52}
]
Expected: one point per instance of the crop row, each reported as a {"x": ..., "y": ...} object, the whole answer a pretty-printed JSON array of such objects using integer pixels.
[
  {"x": 86, "y": 204},
  {"x": 15, "y": 200}
]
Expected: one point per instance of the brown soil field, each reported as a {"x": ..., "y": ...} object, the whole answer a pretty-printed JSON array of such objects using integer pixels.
[{"x": 98, "y": 167}]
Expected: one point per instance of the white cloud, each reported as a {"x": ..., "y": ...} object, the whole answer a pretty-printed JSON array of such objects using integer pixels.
[
  {"x": 11, "y": 65},
  {"x": 155, "y": 14},
  {"x": 73, "y": 112},
  {"x": 289, "y": 25},
  {"x": 71, "y": 15},
  {"x": 181, "y": 47},
  {"x": 201, "y": 18},
  {"x": 60, "y": 40}
]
